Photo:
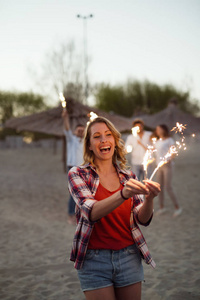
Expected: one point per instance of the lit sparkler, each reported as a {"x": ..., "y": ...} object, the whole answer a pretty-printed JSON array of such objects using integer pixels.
[
  {"x": 179, "y": 128},
  {"x": 148, "y": 159},
  {"x": 135, "y": 130},
  {"x": 129, "y": 148},
  {"x": 172, "y": 151},
  {"x": 62, "y": 100},
  {"x": 154, "y": 139},
  {"x": 92, "y": 116}
]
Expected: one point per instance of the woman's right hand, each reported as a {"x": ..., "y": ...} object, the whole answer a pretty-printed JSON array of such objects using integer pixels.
[{"x": 134, "y": 187}]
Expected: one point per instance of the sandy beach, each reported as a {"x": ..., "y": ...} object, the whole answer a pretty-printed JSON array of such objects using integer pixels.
[{"x": 36, "y": 239}]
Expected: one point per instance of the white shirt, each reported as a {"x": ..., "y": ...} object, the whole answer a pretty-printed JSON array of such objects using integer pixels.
[
  {"x": 138, "y": 152},
  {"x": 74, "y": 149},
  {"x": 162, "y": 147}
]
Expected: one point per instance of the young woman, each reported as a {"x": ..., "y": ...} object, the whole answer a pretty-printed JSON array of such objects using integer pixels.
[
  {"x": 164, "y": 174},
  {"x": 108, "y": 244}
]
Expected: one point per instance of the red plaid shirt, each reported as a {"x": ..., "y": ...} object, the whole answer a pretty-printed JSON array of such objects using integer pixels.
[{"x": 83, "y": 184}]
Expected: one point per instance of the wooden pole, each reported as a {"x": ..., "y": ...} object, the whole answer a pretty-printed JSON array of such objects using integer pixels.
[
  {"x": 64, "y": 154},
  {"x": 55, "y": 145}
]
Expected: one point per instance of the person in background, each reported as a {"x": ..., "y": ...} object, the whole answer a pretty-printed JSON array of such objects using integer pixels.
[
  {"x": 164, "y": 173},
  {"x": 108, "y": 244},
  {"x": 139, "y": 147},
  {"x": 74, "y": 155},
  {"x": 152, "y": 165}
]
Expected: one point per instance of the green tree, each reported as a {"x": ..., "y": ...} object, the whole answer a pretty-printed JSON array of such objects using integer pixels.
[
  {"x": 141, "y": 97},
  {"x": 19, "y": 104},
  {"x": 110, "y": 98}
]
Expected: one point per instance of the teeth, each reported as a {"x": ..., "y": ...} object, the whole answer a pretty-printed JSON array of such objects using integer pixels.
[{"x": 105, "y": 148}]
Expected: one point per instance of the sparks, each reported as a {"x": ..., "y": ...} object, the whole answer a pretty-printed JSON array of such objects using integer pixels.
[
  {"x": 129, "y": 148},
  {"x": 172, "y": 151},
  {"x": 193, "y": 135},
  {"x": 148, "y": 159},
  {"x": 62, "y": 99},
  {"x": 178, "y": 144},
  {"x": 154, "y": 139},
  {"x": 179, "y": 127},
  {"x": 92, "y": 116}
]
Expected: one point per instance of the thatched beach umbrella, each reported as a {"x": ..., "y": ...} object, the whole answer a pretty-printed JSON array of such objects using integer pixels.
[
  {"x": 170, "y": 115},
  {"x": 50, "y": 121}
]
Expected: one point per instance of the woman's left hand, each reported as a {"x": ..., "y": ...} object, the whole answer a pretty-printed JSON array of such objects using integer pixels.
[{"x": 154, "y": 189}]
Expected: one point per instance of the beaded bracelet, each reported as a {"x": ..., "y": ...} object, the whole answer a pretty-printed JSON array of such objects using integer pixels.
[{"x": 123, "y": 195}]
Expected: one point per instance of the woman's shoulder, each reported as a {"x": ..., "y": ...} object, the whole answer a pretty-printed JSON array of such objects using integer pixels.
[
  {"x": 80, "y": 170},
  {"x": 148, "y": 133},
  {"x": 170, "y": 140},
  {"x": 165, "y": 140}
]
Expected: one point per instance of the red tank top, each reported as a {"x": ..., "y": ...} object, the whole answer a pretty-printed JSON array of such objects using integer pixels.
[{"x": 112, "y": 231}]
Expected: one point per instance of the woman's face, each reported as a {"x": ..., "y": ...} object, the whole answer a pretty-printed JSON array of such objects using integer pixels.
[
  {"x": 102, "y": 141},
  {"x": 159, "y": 131}
]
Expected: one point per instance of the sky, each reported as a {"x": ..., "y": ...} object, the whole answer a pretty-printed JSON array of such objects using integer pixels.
[{"x": 154, "y": 40}]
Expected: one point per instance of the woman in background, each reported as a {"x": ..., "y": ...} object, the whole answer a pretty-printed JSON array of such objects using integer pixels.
[{"x": 164, "y": 173}]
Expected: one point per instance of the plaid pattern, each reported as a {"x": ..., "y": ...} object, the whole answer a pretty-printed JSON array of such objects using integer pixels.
[{"x": 83, "y": 184}]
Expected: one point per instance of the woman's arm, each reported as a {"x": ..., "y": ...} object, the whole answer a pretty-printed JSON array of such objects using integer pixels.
[
  {"x": 94, "y": 210},
  {"x": 91, "y": 209},
  {"x": 102, "y": 208},
  {"x": 80, "y": 192},
  {"x": 146, "y": 211}
]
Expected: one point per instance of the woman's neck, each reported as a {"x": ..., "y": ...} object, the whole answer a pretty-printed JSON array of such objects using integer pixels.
[{"x": 105, "y": 166}]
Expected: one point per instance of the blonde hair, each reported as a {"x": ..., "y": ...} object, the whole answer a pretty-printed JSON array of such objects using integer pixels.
[{"x": 120, "y": 151}]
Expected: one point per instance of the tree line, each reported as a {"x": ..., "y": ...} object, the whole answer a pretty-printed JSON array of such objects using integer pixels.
[
  {"x": 61, "y": 72},
  {"x": 13, "y": 104},
  {"x": 138, "y": 97},
  {"x": 132, "y": 98}
]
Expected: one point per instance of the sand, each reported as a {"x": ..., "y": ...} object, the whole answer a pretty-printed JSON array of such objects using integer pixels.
[{"x": 36, "y": 239}]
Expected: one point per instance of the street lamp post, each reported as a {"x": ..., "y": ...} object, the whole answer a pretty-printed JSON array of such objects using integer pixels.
[{"x": 85, "y": 18}]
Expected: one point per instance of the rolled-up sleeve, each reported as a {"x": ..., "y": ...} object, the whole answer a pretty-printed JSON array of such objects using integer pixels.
[
  {"x": 138, "y": 204},
  {"x": 68, "y": 134},
  {"x": 129, "y": 141},
  {"x": 80, "y": 192}
]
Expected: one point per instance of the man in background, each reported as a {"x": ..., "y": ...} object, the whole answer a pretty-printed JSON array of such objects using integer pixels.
[
  {"x": 139, "y": 145},
  {"x": 74, "y": 155}
]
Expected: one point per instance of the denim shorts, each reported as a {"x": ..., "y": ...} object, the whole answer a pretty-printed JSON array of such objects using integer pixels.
[{"x": 103, "y": 268}]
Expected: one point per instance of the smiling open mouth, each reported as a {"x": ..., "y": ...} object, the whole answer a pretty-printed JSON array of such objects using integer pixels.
[{"x": 105, "y": 149}]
